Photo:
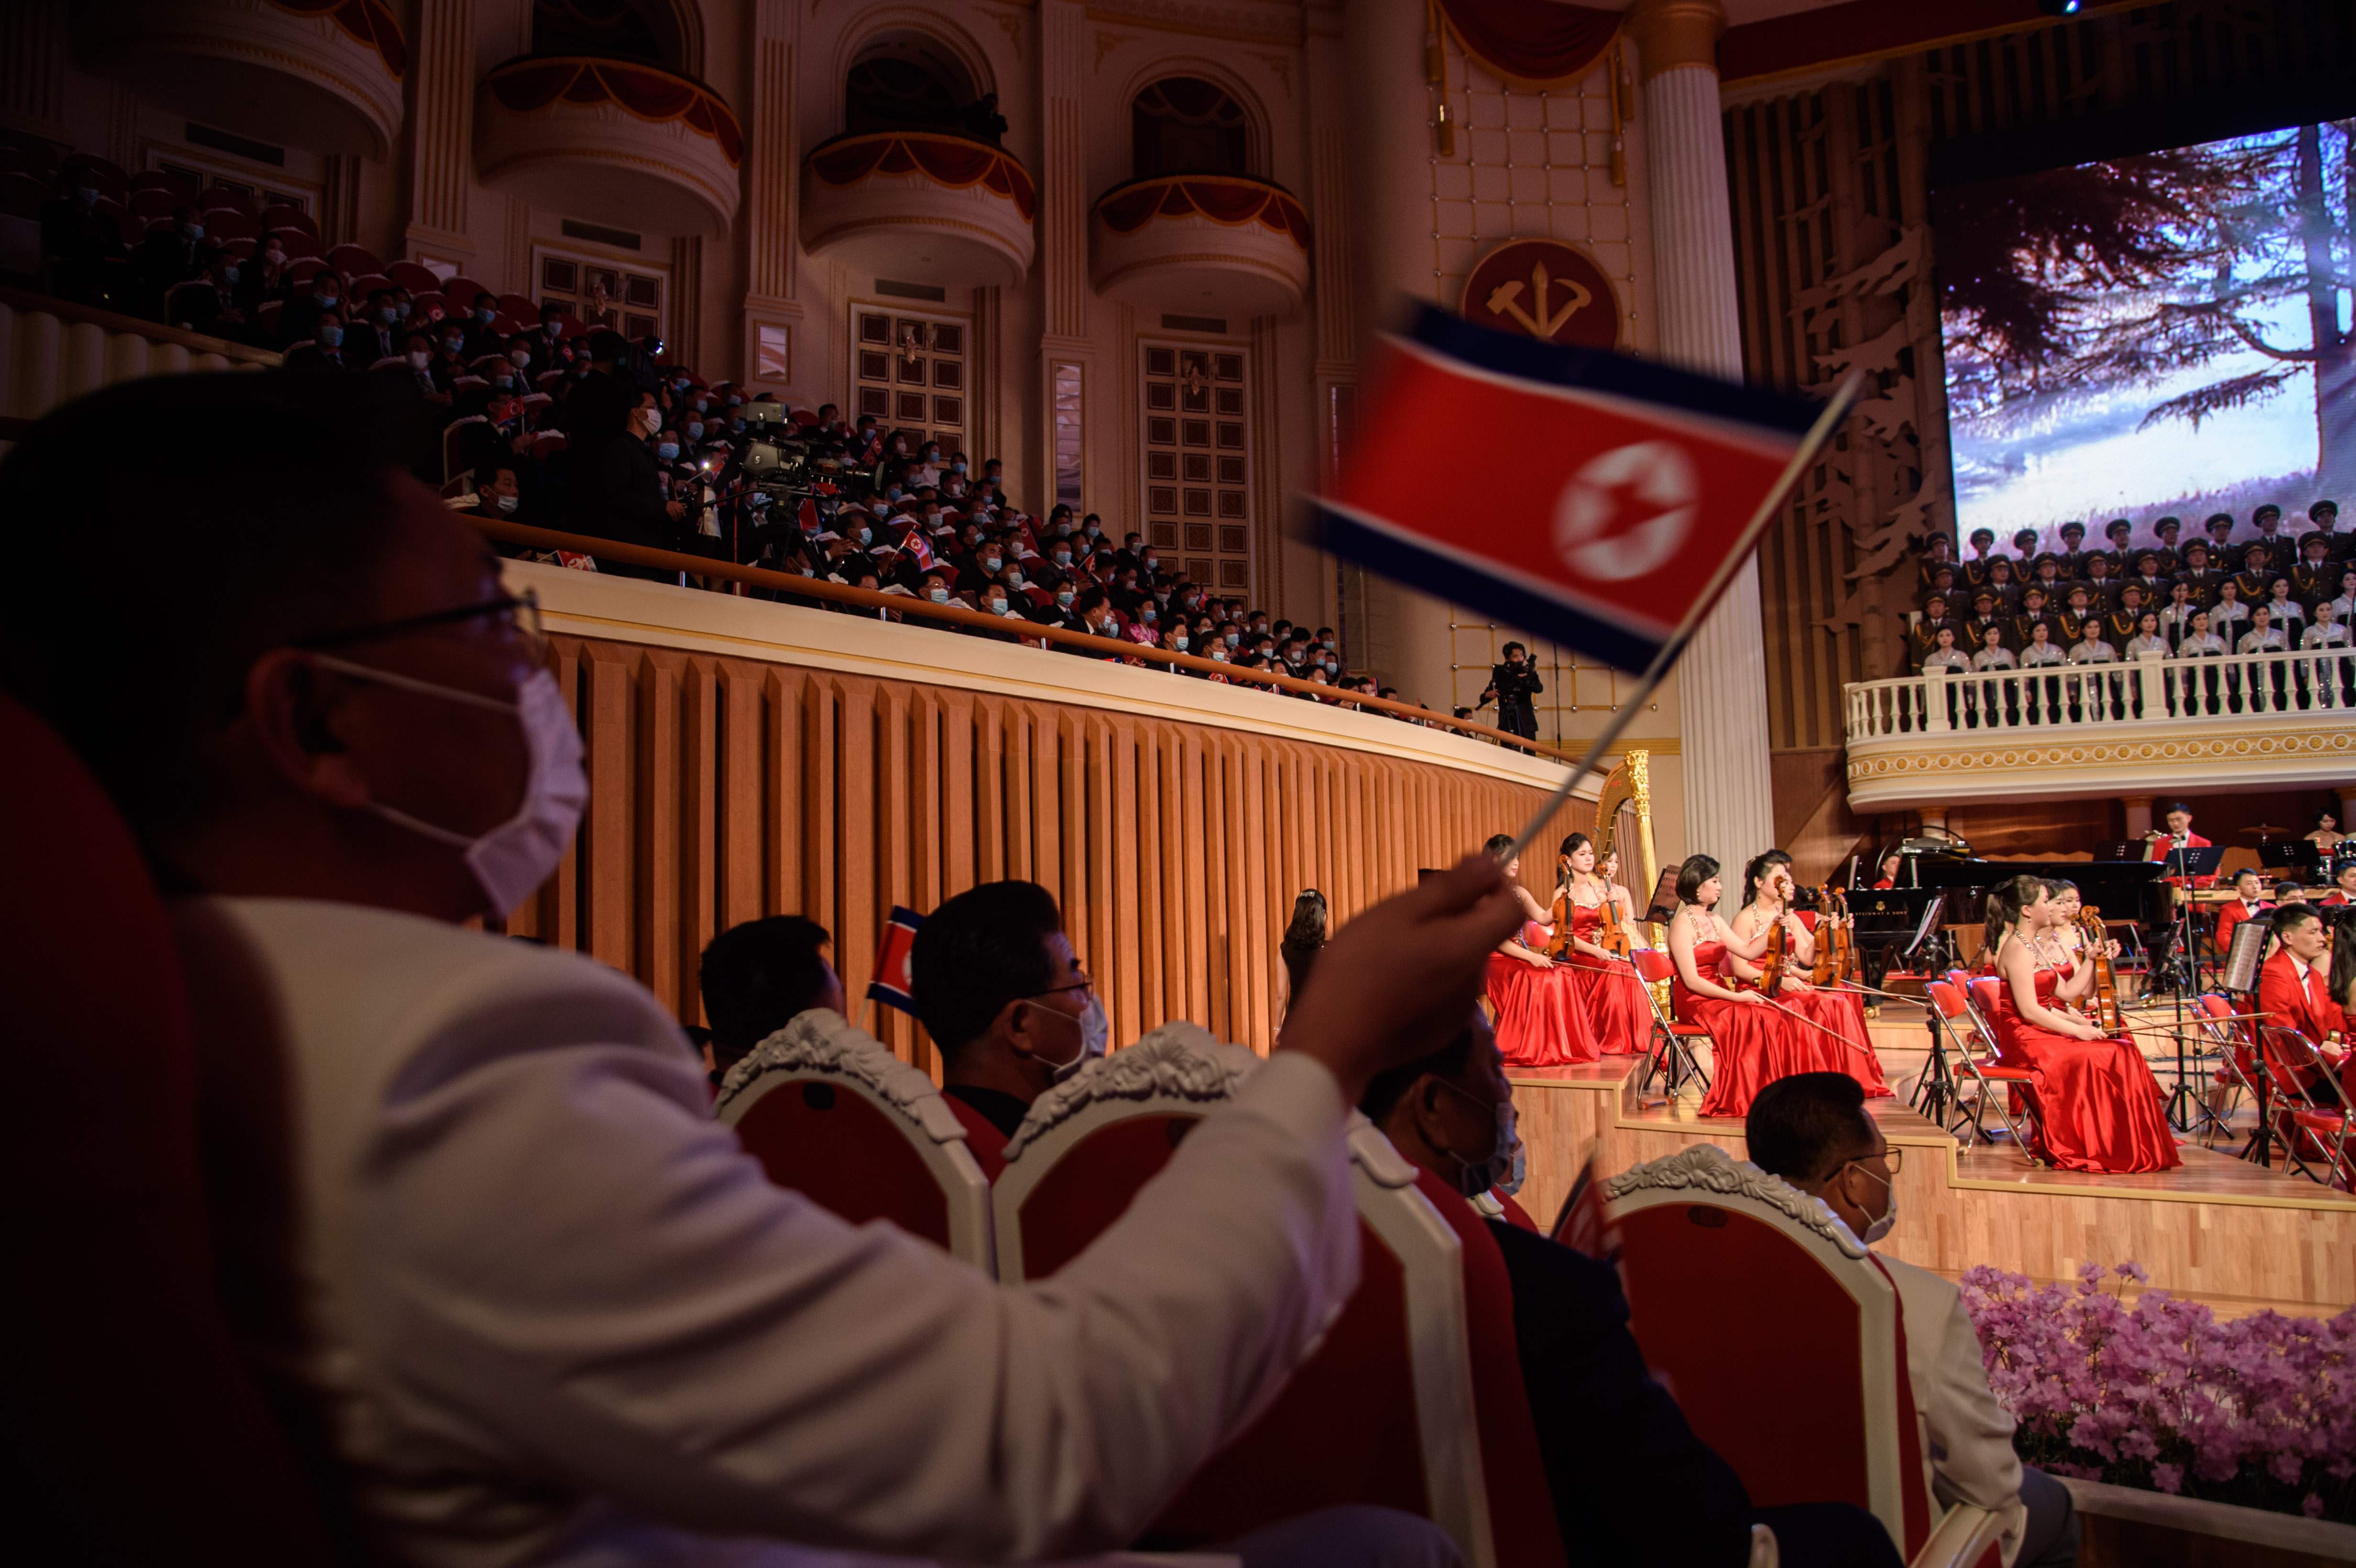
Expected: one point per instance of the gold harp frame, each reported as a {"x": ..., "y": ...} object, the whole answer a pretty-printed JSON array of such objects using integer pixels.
[{"x": 1630, "y": 784}]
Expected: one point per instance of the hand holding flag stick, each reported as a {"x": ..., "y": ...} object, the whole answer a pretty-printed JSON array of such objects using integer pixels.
[{"x": 1644, "y": 489}]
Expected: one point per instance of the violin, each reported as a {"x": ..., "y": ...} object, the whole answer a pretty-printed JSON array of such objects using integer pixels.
[
  {"x": 1611, "y": 936},
  {"x": 1771, "y": 963},
  {"x": 2102, "y": 1005},
  {"x": 1836, "y": 953},
  {"x": 1558, "y": 945}
]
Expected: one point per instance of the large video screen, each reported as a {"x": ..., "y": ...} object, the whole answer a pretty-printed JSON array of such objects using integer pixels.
[{"x": 2152, "y": 336}]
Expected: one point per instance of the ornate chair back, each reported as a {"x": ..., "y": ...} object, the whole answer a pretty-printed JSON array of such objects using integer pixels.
[
  {"x": 1414, "y": 1398},
  {"x": 833, "y": 1114}
]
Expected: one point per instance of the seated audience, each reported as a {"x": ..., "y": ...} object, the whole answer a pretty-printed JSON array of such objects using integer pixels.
[
  {"x": 1631, "y": 1483},
  {"x": 301, "y": 685},
  {"x": 1812, "y": 1130},
  {"x": 1009, "y": 1007},
  {"x": 759, "y": 976}
]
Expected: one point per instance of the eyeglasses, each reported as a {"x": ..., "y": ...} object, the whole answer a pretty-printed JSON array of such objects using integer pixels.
[
  {"x": 1082, "y": 984},
  {"x": 521, "y": 611},
  {"x": 1893, "y": 1159}
]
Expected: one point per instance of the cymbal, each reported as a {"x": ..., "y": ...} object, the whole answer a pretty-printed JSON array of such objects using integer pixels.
[{"x": 2262, "y": 830}]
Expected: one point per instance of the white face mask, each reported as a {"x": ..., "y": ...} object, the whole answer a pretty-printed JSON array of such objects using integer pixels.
[
  {"x": 1879, "y": 1227},
  {"x": 1501, "y": 1169},
  {"x": 1096, "y": 1034},
  {"x": 513, "y": 858},
  {"x": 506, "y": 503}
]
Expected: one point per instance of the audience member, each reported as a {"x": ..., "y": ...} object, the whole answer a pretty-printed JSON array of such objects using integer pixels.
[
  {"x": 334, "y": 734},
  {"x": 1629, "y": 1481},
  {"x": 1812, "y": 1130},
  {"x": 759, "y": 976},
  {"x": 1008, "y": 1005}
]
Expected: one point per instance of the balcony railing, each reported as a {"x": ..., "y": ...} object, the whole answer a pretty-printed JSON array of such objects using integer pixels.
[
  {"x": 2220, "y": 691},
  {"x": 619, "y": 142},
  {"x": 1208, "y": 245},
  {"x": 930, "y": 207}
]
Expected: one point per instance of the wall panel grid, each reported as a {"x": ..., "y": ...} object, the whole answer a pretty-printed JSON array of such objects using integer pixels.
[
  {"x": 1819, "y": 194},
  {"x": 722, "y": 789}
]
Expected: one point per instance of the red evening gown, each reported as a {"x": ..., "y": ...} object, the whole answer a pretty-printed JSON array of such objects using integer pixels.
[
  {"x": 2100, "y": 1107},
  {"x": 1752, "y": 1045},
  {"x": 1607, "y": 992},
  {"x": 1843, "y": 1013},
  {"x": 1538, "y": 1023}
]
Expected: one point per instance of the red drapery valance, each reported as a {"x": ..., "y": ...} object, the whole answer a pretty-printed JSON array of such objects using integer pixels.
[
  {"x": 1531, "y": 43},
  {"x": 648, "y": 92},
  {"x": 952, "y": 161},
  {"x": 371, "y": 21},
  {"x": 1220, "y": 198}
]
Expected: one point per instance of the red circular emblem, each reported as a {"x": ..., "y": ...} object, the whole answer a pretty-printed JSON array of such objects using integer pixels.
[{"x": 1545, "y": 288}]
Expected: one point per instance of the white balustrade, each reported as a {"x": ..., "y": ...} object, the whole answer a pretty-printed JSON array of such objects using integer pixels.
[{"x": 2219, "y": 691}]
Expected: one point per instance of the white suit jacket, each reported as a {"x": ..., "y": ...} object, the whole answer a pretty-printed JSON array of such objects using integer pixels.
[
  {"x": 552, "y": 1314},
  {"x": 1966, "y": 1434}
]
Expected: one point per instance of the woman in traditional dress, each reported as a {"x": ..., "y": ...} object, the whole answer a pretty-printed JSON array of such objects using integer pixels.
[
  {"x": 1604, "y": 986},
  {"x": 1537, "y": 1022},
  {"x": 2098, "y": 1105}
]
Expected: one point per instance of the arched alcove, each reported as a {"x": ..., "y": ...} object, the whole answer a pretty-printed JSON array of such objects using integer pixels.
[
  {"x": 649, "y": 31},
  {"x": 904, "y": 79},
  {"x": 1189, "y": 125}
]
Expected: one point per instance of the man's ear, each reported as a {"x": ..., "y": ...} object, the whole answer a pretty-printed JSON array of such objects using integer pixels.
[{"x": 290, "y": 709}]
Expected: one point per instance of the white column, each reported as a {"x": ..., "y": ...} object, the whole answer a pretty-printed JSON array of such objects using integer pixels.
[
  {"x": 1389, "y": 151},
  {"x": 1721, "y": 680},
  {"x": 440, "y": 131}
]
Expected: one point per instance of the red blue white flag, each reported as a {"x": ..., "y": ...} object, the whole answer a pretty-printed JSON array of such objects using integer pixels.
[
  {"x": 895, "y": 982},
  {"x": 1598, "y": 501},
  {"x": 1582, "y": 1224}
]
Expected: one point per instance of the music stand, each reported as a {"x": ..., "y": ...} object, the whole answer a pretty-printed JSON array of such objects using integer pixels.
[
  {"x": 2291, "y": 855},
  {"x": 1664, "y": 907},
  {"x": 2238, "y": 975},
  {"x": 2119, "y": 849},
  {"x": 2194, "y": 860}
]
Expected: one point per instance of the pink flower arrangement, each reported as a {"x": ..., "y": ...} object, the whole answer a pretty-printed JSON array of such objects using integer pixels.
[{"x": 2260, "y": 1412}]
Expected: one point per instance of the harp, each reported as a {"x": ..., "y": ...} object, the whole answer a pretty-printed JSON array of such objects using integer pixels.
[{"x": 1623, "y": 824}]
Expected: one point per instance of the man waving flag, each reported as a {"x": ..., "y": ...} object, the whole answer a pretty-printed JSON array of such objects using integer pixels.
[{"x": 1634, "y": 491}]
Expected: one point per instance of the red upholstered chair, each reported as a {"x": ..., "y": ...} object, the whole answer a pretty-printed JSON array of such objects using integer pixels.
[
  {"x": 831, "y": 1114},
  {"x": 2310, "y": 1132},
  {"x": 1672, "y": 1058},
  {"x": 1976, "y": 1058},
  {"x": 1414, "y": 1399},
  {"x": 415, "y": 276},
  {"x": 1802, "y": 1385},
  {"x": 354, "y": 261},
  {"x": 133, "y": 1431}
]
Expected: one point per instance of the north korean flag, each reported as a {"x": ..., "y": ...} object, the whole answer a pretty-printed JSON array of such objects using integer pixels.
[
  {"x": 919, "y": 549},
  {"x": 1598, "y": 501},
  {"x": 894, "y": 983}
]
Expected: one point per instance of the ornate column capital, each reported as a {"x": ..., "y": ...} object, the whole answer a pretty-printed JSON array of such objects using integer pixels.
[{"x": 1673, "y": 33}]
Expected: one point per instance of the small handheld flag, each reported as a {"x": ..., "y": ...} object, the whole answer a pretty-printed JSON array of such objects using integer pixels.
[
  {"x": 1632, "y": 492},
  {"x": 1581, "y": 1225},
  {"x": 1635, "y": 493},
  {"x": 893, "y": 983}
]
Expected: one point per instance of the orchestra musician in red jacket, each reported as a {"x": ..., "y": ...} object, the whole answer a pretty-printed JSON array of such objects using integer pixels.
[
  {"x": 2179, "y": 834},
  {"x": 2293, "y": 993},
  {"x": 2248, "y": 888}
]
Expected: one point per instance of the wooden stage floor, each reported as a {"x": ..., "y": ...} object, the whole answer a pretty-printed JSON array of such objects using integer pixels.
[{"x": 2217, "y": 1228}]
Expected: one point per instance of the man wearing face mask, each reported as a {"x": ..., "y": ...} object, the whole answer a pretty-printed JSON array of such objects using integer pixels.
[
  {"x": 1628, "y": 1480},
  {"x": 998, "y": 989},
  {"x": 1812, "y": 1130},
  {"x": 333, "y": 730}
]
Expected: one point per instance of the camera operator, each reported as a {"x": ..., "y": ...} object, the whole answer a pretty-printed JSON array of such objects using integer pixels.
[{"x": 1513, "y": 683}]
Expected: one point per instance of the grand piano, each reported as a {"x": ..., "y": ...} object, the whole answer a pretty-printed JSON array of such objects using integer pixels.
[{"x": 2133, "y": 896}]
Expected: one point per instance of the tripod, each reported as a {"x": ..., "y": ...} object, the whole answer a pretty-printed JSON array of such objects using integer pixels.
[{"x": 1935, "y": 1092}]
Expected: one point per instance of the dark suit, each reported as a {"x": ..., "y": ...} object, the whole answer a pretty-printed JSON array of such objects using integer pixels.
[{"x": 1629, "y": 1481}]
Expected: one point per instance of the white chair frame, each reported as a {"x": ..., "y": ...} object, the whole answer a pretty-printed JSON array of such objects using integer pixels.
[
  {"x": 1181, "y": 1069},
  {"x": 821, "y": 1045}
]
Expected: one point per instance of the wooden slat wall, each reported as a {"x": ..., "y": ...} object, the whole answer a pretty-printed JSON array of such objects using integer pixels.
[{"x": 724, "y": 789}]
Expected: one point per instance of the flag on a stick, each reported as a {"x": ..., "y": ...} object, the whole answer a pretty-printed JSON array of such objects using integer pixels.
[
  {"x": 894, "y": 984},
  {"x": 1598, "y": 501}
]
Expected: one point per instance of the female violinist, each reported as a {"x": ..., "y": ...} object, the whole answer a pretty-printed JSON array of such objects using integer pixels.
[
  {"x": 1537, "y": 1022},
  {"x": 1768, "y": 889},
  {"x": 2098, "y": 1104},
  {"x": 1753, "y": 1041},
  {"x": 1623, "y": 902},
  {"x": 1605, "y": 990}
]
